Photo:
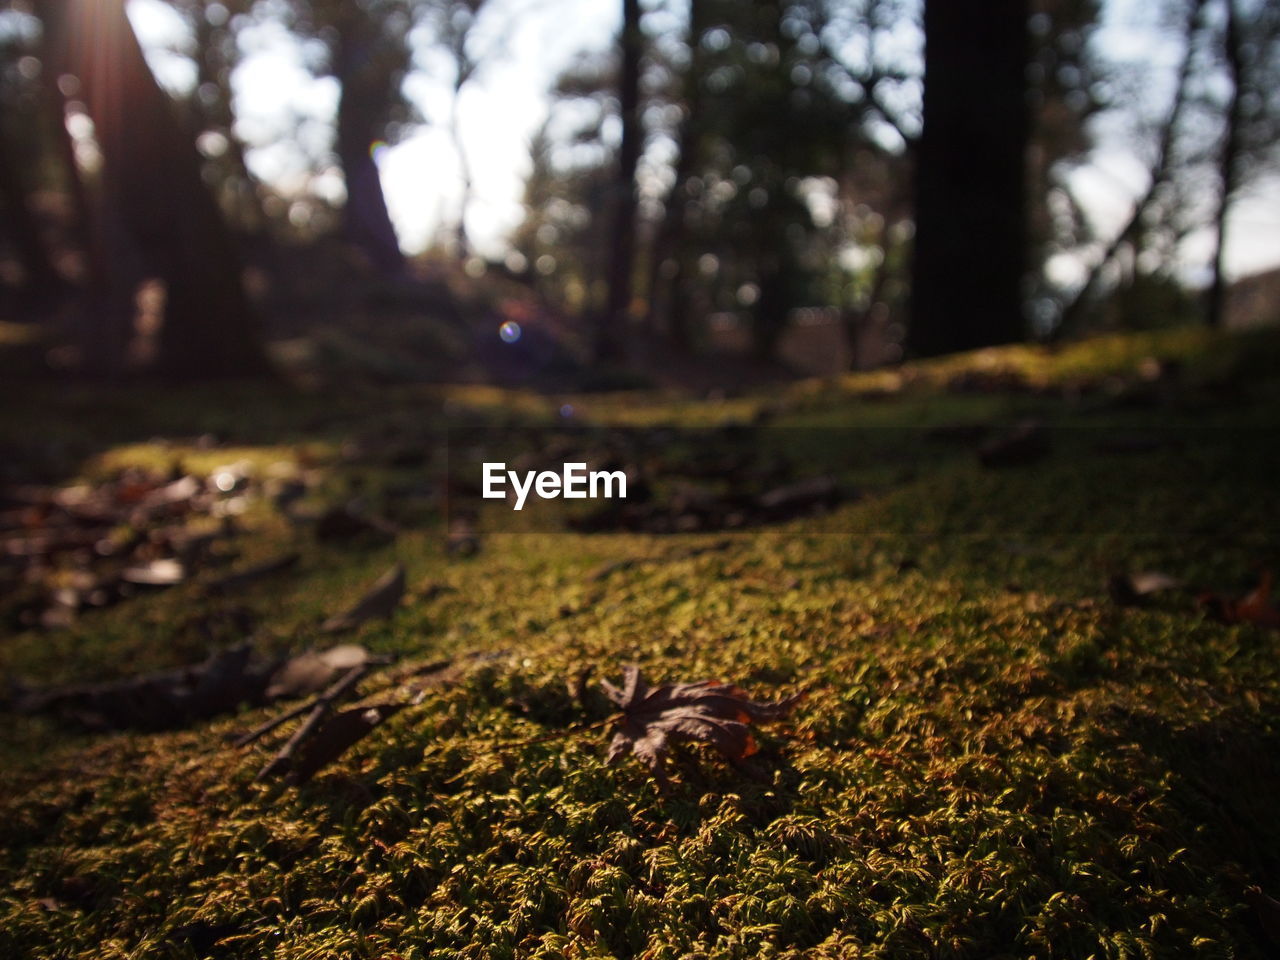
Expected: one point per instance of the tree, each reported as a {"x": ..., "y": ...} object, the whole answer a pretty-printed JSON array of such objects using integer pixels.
[
  {"x": 453, "y": 25},
  {"x": 668, "y": 276},
  {"x": 1161, "y": 169},
  {"x": 1249, "y": 48},
  {"x": 368, "y": 63},
  {"x": 970, "y": 243},
  {"x": 612, "y": 328},
  {"x": 367, "y": 54},
  {"x": 152, "y": 176},
  {"x": 215, "y": 30},
  {"x": 18, "y": 120}
]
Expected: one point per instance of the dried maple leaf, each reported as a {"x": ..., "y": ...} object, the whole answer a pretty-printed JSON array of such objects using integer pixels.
[
  {"x": 1255, "y": 607},
  {"x": 655, "y": 717}
]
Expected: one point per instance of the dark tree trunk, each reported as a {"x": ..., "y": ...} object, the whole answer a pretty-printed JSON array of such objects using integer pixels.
[
  {"x": 366, "y": 223},
  {"x": 213, "y": 71},
  {"x": 40, "y": 279},
  {"x": 856, "y": 322},
  {"x": 970, "y": 243},
  {"x": 776, "y": 276},
  {"x": 1228, "y": 166},
  {"x": 153, "y": 177},
  {"x": 613, "y": 320},
  {"x": 467, "y": 187},
  {"x": 111, "y": 269},
  {"x": 667, "y": 300}
]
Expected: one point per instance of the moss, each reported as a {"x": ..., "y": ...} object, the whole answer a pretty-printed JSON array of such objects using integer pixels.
[{"x": 993, "y": 759}]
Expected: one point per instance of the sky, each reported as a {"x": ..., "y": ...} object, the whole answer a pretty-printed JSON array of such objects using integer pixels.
[{"x": 507, "y": 102}]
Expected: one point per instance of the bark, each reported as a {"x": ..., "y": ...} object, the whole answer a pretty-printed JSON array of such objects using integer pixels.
[
  {"x": 40, "y": 279},
  {"x": 777, "y": 280},
  {"x": 152, "y": 177},
  {"x": 366, "y": 222},
  {"x": 667, "y": 301},
  {"x": 1228, "y": 165},
  {"x": 857, "y": 321},
  {"x": 466, "y": 184},
  {"x": 970, "y": 244},
  {"x": 622, "y": 241},
  {"x": 213, "y": 70}
]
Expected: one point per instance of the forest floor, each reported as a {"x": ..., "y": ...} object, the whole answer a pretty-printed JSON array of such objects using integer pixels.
[{"x": 1014, "y": 739}]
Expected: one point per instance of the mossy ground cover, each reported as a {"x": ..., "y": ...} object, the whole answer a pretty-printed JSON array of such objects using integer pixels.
[{"x": 993, "y": 759}]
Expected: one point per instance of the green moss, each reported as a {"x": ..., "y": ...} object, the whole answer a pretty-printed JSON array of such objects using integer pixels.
[{"x": 993, "y": 759}]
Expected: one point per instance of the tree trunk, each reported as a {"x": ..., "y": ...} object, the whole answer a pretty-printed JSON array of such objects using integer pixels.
[
  {"x": 152, "y": 174},
  {"x": 213, "y": 71},
  {"x": 366, "y": 222},
  {"x": 466, "y": 186},
  {"x": 1228, "y": 166},
  {"x": 776, "y": 274},
  {"x": 666, "y": 295},
  {"x": 40, "y": 280},
  {"x": 970, "y": 243},
  {"x": 613, "y": 321}
]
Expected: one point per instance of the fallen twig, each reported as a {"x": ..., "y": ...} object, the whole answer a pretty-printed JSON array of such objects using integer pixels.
[{"x": 319, "y": 708}]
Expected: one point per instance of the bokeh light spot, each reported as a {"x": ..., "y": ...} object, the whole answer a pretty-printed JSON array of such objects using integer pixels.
[{"x": 509, "y": 332}]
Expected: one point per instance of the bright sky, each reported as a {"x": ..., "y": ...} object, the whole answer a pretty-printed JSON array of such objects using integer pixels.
[{"x": 506, "y": 103}]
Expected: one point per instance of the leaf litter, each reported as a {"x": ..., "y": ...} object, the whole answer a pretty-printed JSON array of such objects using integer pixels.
[{"x": 711, "y": 712}]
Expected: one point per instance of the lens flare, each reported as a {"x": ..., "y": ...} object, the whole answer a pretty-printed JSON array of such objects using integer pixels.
[
  {"x": 378, "y": 149},
  {"x": 509, "y": 332}
]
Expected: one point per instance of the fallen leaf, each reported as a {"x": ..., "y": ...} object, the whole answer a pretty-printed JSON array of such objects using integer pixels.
[
  {"x": 1132, "y": 589},
  {"x": 1255, "y": 607},
  {"x": 709, "y": 711},
  {"x": 800, "y": 497},
  {"x": 158, "y": 573},
  {"x": 378, "y": 604},
  {"x": 462, "y": 538},
  {"x": 160, "y": 700},
  {"x": 338, "y": 734},
  {"x": 313, "y": 670},
  {"x": 345, "y": 525},
  {"x": 1026, "y": 442},
  {"x": 235, "y": 581},
  {"x": 1267, "y": 911}
]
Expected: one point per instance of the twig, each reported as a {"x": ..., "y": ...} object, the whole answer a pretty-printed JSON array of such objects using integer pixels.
[
  {"x": 263, "y": 729},
  {"x": 319, "y": 708}
]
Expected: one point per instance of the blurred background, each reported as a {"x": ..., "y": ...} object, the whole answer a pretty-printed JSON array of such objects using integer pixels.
[{"x": 597, "y": 194}]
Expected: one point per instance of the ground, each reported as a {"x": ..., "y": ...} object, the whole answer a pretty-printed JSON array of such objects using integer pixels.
[{"x": 996, "y": 755}]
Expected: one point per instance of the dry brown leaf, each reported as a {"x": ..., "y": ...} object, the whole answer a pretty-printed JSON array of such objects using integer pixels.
[
  {"x": 158, "y": 573},
  {"x": 235, "y": 581},
  {"x": 1254, "y": 607},
  {"x": 1025, "y": 442},
  {"x": 338, "y": 734},
  {"x": 312, "y": 670},
  {"x": 1267, "y": 911},
  {"x": 378, "y": 604},
  {"x": 709, "y": 711},
  {"x": 1132, "y": 589}
]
